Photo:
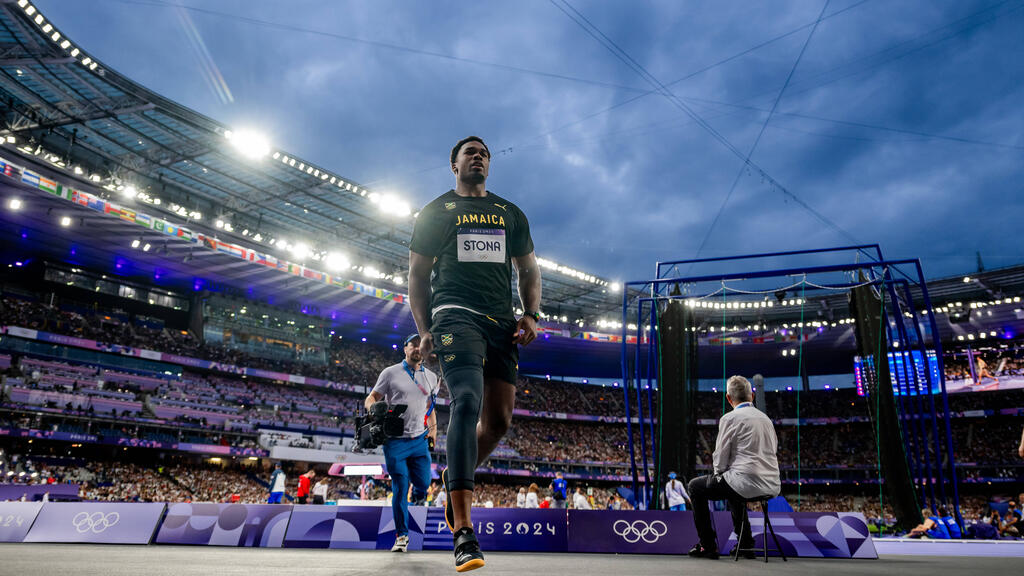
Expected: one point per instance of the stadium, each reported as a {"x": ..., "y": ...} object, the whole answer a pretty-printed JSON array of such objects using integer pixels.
[{"x": 187, "y": 307}]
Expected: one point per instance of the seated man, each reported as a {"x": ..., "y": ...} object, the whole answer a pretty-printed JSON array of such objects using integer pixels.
[{"x": 745, "y": 467}]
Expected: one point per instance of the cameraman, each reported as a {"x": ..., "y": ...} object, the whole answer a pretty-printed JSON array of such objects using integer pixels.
[{"x": 408, "y": 457}]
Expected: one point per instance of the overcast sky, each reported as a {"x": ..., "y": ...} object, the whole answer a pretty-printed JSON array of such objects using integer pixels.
[{"x": 901, "y": 124}]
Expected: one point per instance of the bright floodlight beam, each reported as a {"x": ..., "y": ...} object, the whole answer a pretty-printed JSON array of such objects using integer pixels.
[
  {"x": 249, "y": 143},
  {"x": 337, "y": 262}
]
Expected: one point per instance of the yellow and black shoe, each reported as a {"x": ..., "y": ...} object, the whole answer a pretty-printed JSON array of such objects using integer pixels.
[
  {"x": 467, "y": 551},
  {"x": 449, "y": 509}
]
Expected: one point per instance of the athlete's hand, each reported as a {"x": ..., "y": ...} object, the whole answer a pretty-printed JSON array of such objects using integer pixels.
[
  {"x": 526, "y": 331},
  {"x": 426, "y": 345},
  {"x": 1020, "y": 450}
]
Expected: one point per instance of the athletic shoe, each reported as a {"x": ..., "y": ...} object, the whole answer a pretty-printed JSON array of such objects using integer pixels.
[
  {"x": 401, "y": 544},
  {"x": 467, "y": 551},
  {"x": 449, "y": 510},
  {"x": 699, "y": 551}
]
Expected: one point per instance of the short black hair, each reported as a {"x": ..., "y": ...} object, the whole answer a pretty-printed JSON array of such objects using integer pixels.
[{"x": 467, "y": 140}]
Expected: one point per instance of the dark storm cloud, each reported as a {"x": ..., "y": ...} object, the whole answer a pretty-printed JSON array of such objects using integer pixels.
[{"x": 613, "y": 193}]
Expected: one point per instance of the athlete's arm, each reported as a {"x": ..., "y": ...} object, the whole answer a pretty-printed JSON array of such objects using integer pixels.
[
  {"x": 419, "y": 299},
  {"x": 529, "y": 294},
  {"x": 432, "y": 426}
]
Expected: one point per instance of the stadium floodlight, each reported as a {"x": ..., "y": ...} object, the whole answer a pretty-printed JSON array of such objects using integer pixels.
[
  {"x": 135, "y": 243},
  {"x": 300, "y": 250},
  {"x": 390, "y": 205},
  {"x": 615, "y": 287},
  {"x": 250, "y": 143},
  {"x": 65, "y": 221},
  {"x": 967, "y": 279},
  {"x": 399, "y": 281},
  {"x": 146, "y": 247},
  {"x": 14, "y": 204},
  {"x": 219, "y": 223},
  {"x": 130, "y": 191},
  {"x": 337, "y": 262}
]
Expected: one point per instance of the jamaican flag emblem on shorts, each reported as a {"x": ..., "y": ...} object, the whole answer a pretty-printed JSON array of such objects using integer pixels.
[{"x": 447, "y": 339}]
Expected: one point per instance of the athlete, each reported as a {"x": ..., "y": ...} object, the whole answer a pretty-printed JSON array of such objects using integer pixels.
[
  {"x": 460, "y": 291},
  {"x": 982, "y": 371}
]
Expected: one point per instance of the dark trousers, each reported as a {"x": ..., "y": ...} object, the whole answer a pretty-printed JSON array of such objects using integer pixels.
[
  {"x": 702, "y": 490},
  {"x": 302, "y": 499}
]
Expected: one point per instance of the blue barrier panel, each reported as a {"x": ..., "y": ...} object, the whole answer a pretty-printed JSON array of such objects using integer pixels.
[
  {"x": 806, "y": 534},
  {"x": 351, "y": 527},
  {"x": 34, "y": 492},
  {"x": 16, "y": 518},
  {"x": 96, "y": 522},
  {"x": 504, "y": 529},
  {"x": 631, "y": 531},
  {"x": 212, "y": 524}
]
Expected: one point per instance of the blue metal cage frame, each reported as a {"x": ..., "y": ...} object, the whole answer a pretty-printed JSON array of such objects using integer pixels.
[{"x": 930, "y": 451}]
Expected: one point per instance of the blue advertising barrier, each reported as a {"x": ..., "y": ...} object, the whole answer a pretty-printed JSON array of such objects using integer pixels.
[
  {"x": 96, "y": 522},
  {"x": 808, "y": 534},
  {"x": 504, "y": 529},
  {"x": 351, "y": 527},
  {"x": 631, "y": 532},
  {"x": 805, "y": 534},
  {"x": 210, "y": 524},
  {"x": 16, "y": 518}
]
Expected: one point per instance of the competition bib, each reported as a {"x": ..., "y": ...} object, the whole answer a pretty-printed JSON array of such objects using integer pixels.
[{"x": 482, "y": 245}]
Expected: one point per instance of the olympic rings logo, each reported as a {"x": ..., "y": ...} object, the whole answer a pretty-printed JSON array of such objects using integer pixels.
[
  {"x": 640, "y": 530},
  {"x": 96, "y": 522}
]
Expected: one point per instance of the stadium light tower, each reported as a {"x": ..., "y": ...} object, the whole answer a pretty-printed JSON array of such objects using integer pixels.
[{"x": 249, "y": 143}]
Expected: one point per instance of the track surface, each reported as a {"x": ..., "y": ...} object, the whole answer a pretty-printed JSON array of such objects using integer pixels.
[{"x": 89, "y": 560}]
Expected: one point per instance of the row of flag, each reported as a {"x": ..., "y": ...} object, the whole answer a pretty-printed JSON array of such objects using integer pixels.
[{"x": 93, "y": 202}]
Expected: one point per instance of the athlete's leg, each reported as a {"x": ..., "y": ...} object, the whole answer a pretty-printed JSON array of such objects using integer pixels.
[
  {"x": 466, "y": 383},
  {"x": 495, "y": 416}
]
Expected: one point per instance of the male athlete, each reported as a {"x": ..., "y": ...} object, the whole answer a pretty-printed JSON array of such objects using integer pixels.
[{"x": 460, "y": 276}]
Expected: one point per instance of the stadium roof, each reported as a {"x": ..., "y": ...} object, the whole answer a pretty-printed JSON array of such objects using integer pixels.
[{"x": 116, "y": 138}]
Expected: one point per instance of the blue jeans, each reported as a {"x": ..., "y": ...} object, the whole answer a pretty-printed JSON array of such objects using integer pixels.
[
  {"x": 275, "y": 498},
  {"x": 408, "y": 460},
  {"x": 679, "y": 508}
]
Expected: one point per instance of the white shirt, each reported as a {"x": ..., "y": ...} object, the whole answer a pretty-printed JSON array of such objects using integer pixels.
[
  {"x": 676, "y": 493},
  {"x": 580, "y": 502},
  {"x": 521, "y": 500},
  {"x": 397, "y": 386},
  {"x": 441, "y": 500},
  {"x": 531, "y": 500},
  {"x": 745, "y": 452},
  {"x": 320, "y": 490},
  {"x": 279, "y": 481}
]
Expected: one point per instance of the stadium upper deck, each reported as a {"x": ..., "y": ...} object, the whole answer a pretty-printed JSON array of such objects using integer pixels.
[{"x": 82, "y": 124}]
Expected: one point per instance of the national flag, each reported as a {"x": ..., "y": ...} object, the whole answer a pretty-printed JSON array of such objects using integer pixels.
[
  {"x": 158, "y": 225},
  {"x": 127, "y": 214},
  {"x": 31, "y": 178},
  {"x": 144, "y": 220},
  {"x": 47, "y": 185},
  {"x": 170, "y": 229},
  {"x": 79, "y": 197},
  {"x": 97, "y": 204}
]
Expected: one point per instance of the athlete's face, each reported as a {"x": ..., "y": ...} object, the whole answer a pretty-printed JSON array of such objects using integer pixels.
[{"x": 472, "y": 163}]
